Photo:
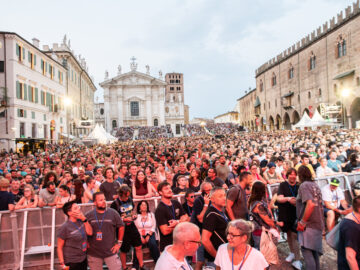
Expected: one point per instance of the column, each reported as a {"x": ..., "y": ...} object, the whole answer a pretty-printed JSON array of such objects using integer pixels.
[
  {"x": 107, "y": 110},
  {"x": 161, "y": 100},
  {"x": 120, "y": 107},
  {"x": 148, "y": 106}
]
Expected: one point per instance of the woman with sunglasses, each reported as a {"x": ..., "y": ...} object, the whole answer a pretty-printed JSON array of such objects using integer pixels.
[{"x": 237, "y": 253}]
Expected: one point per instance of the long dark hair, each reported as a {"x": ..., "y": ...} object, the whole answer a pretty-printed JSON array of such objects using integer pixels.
[
  {"x": 257, "y": 192},
  {"x": 304, "y": 174},
  {"x": 137, "y": 182},
  {"x": 47, "y": 176},
  {"x": 78, "y": 190},
  {"x": 352, "y": 159},
  {"x": 138, "y": 206}
]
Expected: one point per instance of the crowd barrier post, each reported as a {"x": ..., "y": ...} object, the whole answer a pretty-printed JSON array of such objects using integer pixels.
[
  {"x": 23, "y": 240},
  {"x": 52, "y": 256},
  {"x": 15, "y": 236}
]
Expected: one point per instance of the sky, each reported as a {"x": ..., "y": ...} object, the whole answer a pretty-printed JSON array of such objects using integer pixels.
[{"x": 216, "y": 44}]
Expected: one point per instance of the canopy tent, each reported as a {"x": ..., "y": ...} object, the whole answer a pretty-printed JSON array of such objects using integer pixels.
[
  {"x": 101, "y": 135},
  {"x": 304, "y": 122},
  {"x": 317, "y": 120}
]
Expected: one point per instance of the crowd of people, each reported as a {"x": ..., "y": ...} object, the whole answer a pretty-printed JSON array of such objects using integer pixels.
[
  {"x": 195, "y": 130},
  {"x": 228, "y": 218},
  {"x": 223, "y": 128},
  {"x": 146, "y": 133},
  {"x": 125, "y": 133}
]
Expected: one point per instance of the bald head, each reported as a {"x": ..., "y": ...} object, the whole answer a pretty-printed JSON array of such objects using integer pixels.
[{"x": 185, "y": 231}]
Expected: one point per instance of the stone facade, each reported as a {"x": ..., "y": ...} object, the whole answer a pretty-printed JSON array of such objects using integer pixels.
[
  {"x": 33, "y": 88},
  {"x": 99, "y": 114},
  {"x": 80, "y": 88},
  {"x": 139, "y": 99},
  {"x": 322, "y": 68}
]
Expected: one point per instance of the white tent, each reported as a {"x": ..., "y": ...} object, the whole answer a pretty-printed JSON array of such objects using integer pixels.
[
  {"x": 317, "y": 120},
  {"x": 305, "y": 121},
  {"x": 101, "y": 135}
]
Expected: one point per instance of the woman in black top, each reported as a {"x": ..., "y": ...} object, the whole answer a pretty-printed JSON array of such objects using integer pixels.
[{"x": 353, "y": 164}]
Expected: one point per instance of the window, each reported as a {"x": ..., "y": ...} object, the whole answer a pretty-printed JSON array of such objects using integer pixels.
[
  {"x": 32, "y": 59},
  {"x": 114, "y": 124},
  {"x": 171, "y": 88},
  {"x": 340, "y": 49},
  {"x": 43, "y": 67},
  {"x": 319, "y": 92},
  {"x": 312, "y": 61},
  {"x": 298, "y": 98},
  {"x": 177, "y": 128},
  {"x": 33, "y": 130},
  {"x": 261, "y": 86},
  {"x": 60, "y": 77},
  {"x": 291, "y": 72},
  {"x": 22, "y": 113},
  {"x": 32, "y": 115},
  {"x": 2, "y": 68},
  {"x": 20, "y": 52},
  {"x": 44, "y": 117},
  {"x": 22, "y": 130},
  {"x": 309, "y": 95},
  {"x": 273, "y": 80},
  {"x": 51, "y": 71},
  {"x": 45, "y": 131},
  {"x": 31, "y": 93},
  {"x": 156, "y": 122},
  {"x": 178, "y": 88},
  {"x": 101, "y": 111},
  {"x": 134, "y": 108},
  {"x": 42, "y": 97}
]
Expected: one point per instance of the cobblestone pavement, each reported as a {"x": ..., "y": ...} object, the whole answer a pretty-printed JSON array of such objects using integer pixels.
[{"x": 327, "y": 261}]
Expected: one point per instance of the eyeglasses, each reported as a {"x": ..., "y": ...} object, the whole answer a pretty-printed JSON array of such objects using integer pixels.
[
  {"x": 192, "y": 196},
  {"x": 230, "y": 235}
]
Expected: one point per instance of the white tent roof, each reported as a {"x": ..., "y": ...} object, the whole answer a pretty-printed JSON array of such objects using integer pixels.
[
  {"x": 101, "y": 135},
  {"x": 305, "y": 121},
  {"x": 317, "y": 120}
]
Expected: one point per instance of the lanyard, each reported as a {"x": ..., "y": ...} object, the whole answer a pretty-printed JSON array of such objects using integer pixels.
[
  {"x": 143, "y": 223},
  {"x": 100, "y": 224},
  {"x": 242, "y": 261},
  {"x": 172, "y": 210},
  {"x": 189, "y": 267},
  {"x": 221, "y": 213},
  {"x": 293, "y": 191},
  {"x": 356, "y": 218},
  {"x": 190, "y": 212},
  {"x": 80, "y": 229}
]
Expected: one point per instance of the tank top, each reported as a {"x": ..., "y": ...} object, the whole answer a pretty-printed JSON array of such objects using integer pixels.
[{"x": 141, "y": 191}]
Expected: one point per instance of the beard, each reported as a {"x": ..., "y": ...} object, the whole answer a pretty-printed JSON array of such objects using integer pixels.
[{"x": 101, "y": 208}]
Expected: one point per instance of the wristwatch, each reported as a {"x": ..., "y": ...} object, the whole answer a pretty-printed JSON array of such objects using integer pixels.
[{"x": 119, "y": 242}]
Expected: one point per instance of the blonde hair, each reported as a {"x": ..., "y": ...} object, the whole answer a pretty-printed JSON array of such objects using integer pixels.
[{"x": 31, "y": 189}]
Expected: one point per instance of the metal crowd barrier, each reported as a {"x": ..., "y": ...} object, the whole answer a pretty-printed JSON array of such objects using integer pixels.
[{"x": 28, "y": 236}]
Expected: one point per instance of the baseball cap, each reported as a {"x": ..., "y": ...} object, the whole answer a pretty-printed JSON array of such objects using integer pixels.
[{"x": 335, "y": 182}]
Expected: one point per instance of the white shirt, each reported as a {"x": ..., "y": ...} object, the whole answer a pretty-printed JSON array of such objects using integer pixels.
[
  {"x": 320, "y": 171},
  {"x": 148, "y": 226},
  {"x": 168, "y": 262},
  {"x": 255, "y": 260},
  {"x": 334, "y": 197}
]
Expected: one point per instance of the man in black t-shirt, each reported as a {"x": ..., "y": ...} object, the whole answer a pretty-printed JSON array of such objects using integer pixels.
[
  {"x": 109, "y": 187},
  {"x": 182, "y": 171},
  {"x": 124, "y": 205},
  {"x": 214, "y": 224},
  {"x": 189, "y": 202},
  {"x": 216, "y": 181},
  {"x": 16, "y": 191},
  {"x": 6, "y": 198},
  {"x": 168, "y": 214}
]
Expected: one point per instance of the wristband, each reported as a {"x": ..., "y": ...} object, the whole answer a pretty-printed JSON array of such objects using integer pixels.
[
  {"x": 119, "y": 242},
  {"x": 206, "y": 205}
]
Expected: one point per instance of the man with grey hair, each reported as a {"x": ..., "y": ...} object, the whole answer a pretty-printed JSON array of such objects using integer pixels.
[{"x": 186, "y": 240}]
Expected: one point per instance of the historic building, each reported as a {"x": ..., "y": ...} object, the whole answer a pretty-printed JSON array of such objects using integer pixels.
[
  {"x": 99, "y": 113},
  {"x": 80, "y": 88},
  {"x": 322, "y": 71},
  {"x": 139, "y": 99},
  {"x": 33, "y": 88},
  {"x": 228, "y": 117}
]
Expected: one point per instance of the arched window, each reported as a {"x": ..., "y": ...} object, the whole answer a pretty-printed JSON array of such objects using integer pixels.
[
  {"x": 291, "y": 72},
  {"x": 134, "y": 108},
  {"x": 101, "y": 111},
  {"x": 340, "y": 49},
  {"x": 298, "y": 98},
  {"x": 114, "y": 124},
  {"x": 312, "y": 61},
  {"x": 273, "y": 80},
  {"x": 156, "y": 122}
]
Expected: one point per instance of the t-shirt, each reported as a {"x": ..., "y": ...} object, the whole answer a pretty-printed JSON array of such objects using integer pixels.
[
  {"x": 334, "y": 197},
  {"x": 238, "y": 196},
  {"x": 109, "y": 189},
  {"x": 18, "y": 196},
  {"x": 320, "y": 171},
  {"x": 334, "y": 164},
  {"x": 287, "y": 211},
  {"x": 6, "y": 198},
  {"x": 231, "y": 176},
  {"x": 216, "y": 223},
  {"x": 74, "y": 235},
  {"x": 196, "y": 210},
  {"x": 222, "y": 171},
  {"x": 125, "y": 208},
  {"x": 107, "y": 223},
  {"x": 178, "y": 190},
  {"x": 217, "y": 181},
  {"x": 188, "y": 209},
  {"x": 349, "y": 236},
  {"x": 309, "y": 190},
  {"x": 47, "y": 196},
  {"x": 186, "y": 174},
  {"x": 163, "y": 214},
  {"x": 255, "y": 260},
  {"x": 168, "y": 262}
]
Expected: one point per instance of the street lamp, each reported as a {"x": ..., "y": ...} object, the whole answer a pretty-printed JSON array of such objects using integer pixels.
[
  {"x": 344, "y": 94},
  {"x": 67, "y": 103}
]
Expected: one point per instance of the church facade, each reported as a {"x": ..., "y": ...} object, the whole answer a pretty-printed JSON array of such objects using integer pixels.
[{"x": 139, "y": 99}]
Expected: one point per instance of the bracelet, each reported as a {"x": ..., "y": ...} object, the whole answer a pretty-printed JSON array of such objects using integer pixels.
[{"x": 206, "y": 205}]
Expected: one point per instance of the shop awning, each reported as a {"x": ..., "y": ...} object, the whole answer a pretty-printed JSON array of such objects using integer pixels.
[
  {"x": 345, "y": 74},
  {"x": 257, "y": 102},
  {"x": 288, "y": 95}
]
